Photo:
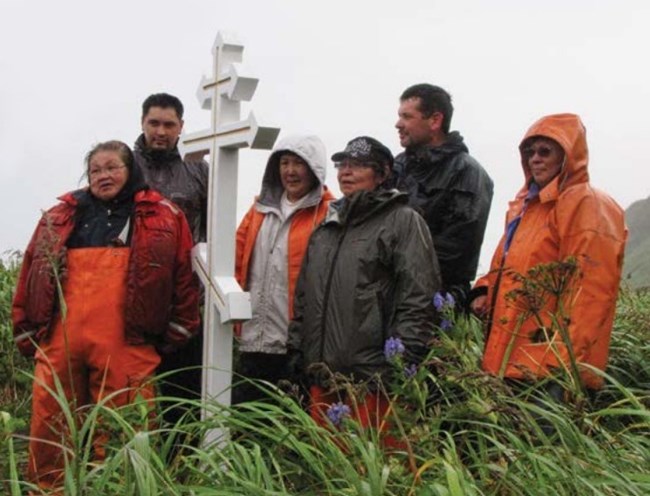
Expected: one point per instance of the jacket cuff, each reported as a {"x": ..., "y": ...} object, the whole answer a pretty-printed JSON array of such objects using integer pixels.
[
  {"x": 177, "y": 335},
  {"x": 26, "y": 344}
]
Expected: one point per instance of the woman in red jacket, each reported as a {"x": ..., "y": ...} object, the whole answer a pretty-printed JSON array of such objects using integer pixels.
[{"x": 106, "y": 284}]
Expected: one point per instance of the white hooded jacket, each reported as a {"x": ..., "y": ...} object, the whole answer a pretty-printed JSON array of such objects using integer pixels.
[{"x": 268, "y": 278}]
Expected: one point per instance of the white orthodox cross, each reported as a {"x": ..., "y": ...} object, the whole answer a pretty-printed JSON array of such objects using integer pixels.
[{"x": 215, "y": 262}]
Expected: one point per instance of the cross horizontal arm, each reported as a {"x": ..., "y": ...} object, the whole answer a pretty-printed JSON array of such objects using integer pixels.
[
  {"x": 232, "y": 83},
  {"x": 238, "y": 134}
]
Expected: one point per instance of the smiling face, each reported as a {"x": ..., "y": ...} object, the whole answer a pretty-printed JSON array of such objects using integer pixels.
[
  {"x": 161, "y": 127},
  {"x": 296, "y": 177},
  {"x": 107, "y": 174},
  {"x": 544, "y": 158},
  {"x": 355, "y": 175}
]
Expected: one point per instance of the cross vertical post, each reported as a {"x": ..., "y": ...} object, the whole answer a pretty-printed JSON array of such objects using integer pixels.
[{"x": 215, "y": 262}]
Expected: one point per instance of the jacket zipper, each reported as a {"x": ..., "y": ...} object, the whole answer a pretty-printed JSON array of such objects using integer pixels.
[{"x": 326, "y": 298}]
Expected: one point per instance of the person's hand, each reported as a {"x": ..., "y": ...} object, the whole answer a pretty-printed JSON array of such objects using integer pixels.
[
  {"x": 320, "y": 375},
  {"x": 287, "y": 387},
  {"x": 294, "y": 365},
  {"x": 479, "y": 306}
]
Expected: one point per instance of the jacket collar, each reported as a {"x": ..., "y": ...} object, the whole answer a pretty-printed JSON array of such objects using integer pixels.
[
  {"x": 82, "y": 197},
  {"x": 361, "y": 205},
  {"x": 453, "y": 145},
  {"x": 156, "y": 158}
]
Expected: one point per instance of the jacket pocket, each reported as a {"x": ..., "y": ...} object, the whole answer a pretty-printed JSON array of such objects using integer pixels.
[
  {"x": 151, "y": 283},
  {"x": 369, "y": 317},
  {"x": 161, "y": 246}
]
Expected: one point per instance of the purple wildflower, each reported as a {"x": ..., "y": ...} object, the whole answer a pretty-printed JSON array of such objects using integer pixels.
[
  {"x": 438, "y": 301},
  {"x": 337, "y": 412},
  {"x": 393, "y": 348},
  {"x": 410, "y": 371},
  {"x": 443, "y": 302},
  {"x": 450, "y": 301},
  {"x": 445, "y": 324}
]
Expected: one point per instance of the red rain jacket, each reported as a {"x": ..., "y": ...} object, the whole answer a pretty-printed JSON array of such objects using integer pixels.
[{"x": 162, "y": 292}]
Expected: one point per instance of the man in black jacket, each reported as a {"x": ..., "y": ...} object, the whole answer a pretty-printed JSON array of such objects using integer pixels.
[
  {"x": 445, "y": 184},
  {"x": 185, "y": 182}
]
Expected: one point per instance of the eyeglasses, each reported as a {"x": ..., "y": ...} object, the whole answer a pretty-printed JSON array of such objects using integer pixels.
[
  {"x": 542, "y": 150},
  {"x": 111, "y": 170},
  {"x": 354, "y": 164}
]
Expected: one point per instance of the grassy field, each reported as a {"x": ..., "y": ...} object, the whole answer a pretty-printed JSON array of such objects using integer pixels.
[{"x": 463, "y": 432}]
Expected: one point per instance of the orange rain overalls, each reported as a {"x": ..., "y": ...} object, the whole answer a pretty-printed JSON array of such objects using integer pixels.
[{"x": 87, "y": 351}]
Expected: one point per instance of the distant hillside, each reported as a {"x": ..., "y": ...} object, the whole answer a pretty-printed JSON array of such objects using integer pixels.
[{"x": 636, "y": 270}]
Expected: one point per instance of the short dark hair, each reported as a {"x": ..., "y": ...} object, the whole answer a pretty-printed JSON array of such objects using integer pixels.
[
  {"x": 432, "y": 99},
  {"x": 163, "y": 100},
  {"x": 122, "y": 149}
]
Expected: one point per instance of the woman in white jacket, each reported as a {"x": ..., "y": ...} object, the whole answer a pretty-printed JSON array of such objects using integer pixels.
[{"x": 271, "y": 242}]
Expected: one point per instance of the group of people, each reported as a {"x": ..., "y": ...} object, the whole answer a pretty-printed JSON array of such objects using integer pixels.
[{"x": 331, "y": 280}]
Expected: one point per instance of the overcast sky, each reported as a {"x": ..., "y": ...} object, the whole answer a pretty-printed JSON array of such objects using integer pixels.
[{"x": 73, "y": 73}]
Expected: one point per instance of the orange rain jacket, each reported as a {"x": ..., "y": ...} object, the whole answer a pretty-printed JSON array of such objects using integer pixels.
[
  {"x": 302, "y": 224},
  {"x": 569, "y": 218},
  {"x": 162, "y": 292}
]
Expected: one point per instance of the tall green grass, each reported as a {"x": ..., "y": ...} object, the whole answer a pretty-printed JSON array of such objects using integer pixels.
[
  {"x": 15, "y": 383},
  {"x": 465, "y": 433}
]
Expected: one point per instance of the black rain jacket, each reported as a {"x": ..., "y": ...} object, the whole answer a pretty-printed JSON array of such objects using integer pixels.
[
  {"x": 185, "y": 182},
  {"x": 369, "y": 273},
  {"x": 453, "y": 193}
]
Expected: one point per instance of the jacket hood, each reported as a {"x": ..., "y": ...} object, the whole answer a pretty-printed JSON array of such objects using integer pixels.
[
  {"x": 570, "y": 133},
  {"x": 356, "y": 208},
  {"x": 308, "y": 147},
  {"x": 453, "y": 144},
  {"x": 82, "y": 197}
]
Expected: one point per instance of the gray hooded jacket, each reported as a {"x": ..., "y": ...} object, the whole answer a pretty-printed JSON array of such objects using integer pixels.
[{"x": 268, "y": 274}]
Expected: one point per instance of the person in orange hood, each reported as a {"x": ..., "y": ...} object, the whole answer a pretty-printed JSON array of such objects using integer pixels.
[{"x": 550, "y": 295}]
